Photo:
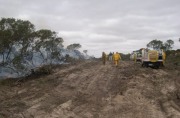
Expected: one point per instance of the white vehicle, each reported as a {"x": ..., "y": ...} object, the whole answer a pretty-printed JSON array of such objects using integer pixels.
[
  {"x": 136, "y": 55},
  {"x": 152, "y": 58}
]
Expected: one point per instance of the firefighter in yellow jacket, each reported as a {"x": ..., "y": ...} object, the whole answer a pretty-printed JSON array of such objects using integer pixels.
[
  {"x": 104, "y": 57},
  {"x": 164, "y": 58},
  {"x": 116, "y": 58}
]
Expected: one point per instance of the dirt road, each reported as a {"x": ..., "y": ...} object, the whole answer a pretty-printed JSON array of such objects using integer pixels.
[{"x": 92, "y": 90}]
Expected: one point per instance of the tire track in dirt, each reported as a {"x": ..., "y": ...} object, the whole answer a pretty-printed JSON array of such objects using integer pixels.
[
  {"x": 66, "y": 89},
  {"x": 88, "y": 99}
]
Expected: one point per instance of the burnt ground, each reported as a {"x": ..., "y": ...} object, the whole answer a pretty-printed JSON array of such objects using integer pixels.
[{"x": 92, "y": 90}]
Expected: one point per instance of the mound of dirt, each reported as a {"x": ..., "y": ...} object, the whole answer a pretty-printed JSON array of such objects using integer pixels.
[{"x": 92, "y": 90}]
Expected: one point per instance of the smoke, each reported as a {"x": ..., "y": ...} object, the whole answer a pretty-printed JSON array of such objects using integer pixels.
[{"x": 35, "y": 60}]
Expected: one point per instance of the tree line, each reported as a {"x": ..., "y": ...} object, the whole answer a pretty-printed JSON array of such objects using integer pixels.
[
  {"x": 21, "y": 45},
  {"x": 158, "y": 44}
]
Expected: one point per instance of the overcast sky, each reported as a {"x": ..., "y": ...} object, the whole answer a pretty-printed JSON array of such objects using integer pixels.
[{"x": 101, "y": 25}]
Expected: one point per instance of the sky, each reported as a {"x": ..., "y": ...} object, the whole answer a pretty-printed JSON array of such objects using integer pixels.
[{"x": 101, "y": 25}]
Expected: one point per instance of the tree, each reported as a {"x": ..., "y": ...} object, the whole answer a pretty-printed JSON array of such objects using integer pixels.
[
  {"x": 155, "y": 44},
  {"x": 169, "y": 44},
  {"x": 19, "y": 42},
  {"x": 74, "y": 46},
  {"x": 50, "y": 42},
  {"x": 23, "y": 48},
  {"x": 15, "y": 33}
]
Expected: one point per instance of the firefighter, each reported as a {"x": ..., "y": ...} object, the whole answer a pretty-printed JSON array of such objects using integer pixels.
[
  {"x": 113, "y": 57},
  {"x": 164, "y": 58},
  {"x": 104, "y": 57},
  {"x": 116, "y": 58},
  {"x": 110, "y": 56}
]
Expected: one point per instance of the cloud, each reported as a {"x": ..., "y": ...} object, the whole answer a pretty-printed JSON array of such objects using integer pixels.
[{"x": 98, "y": 25}]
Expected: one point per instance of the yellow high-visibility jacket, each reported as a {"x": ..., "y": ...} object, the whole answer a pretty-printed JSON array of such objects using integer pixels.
[
  {"x": 164, "y": 56},
  {"x": 116, "y": 57}
]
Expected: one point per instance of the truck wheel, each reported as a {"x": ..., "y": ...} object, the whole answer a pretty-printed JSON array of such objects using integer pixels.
[
  {"x": 146, "y": 64},
  {"x": 142, "y": 64},
  {"x": 156, "y": 65}
]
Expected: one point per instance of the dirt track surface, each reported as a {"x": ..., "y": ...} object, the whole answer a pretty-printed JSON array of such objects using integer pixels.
[{"x": 92, "y": 90}]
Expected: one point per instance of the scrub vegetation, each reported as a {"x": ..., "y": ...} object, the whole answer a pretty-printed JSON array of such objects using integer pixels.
[{"x": 23, "y": 48}]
